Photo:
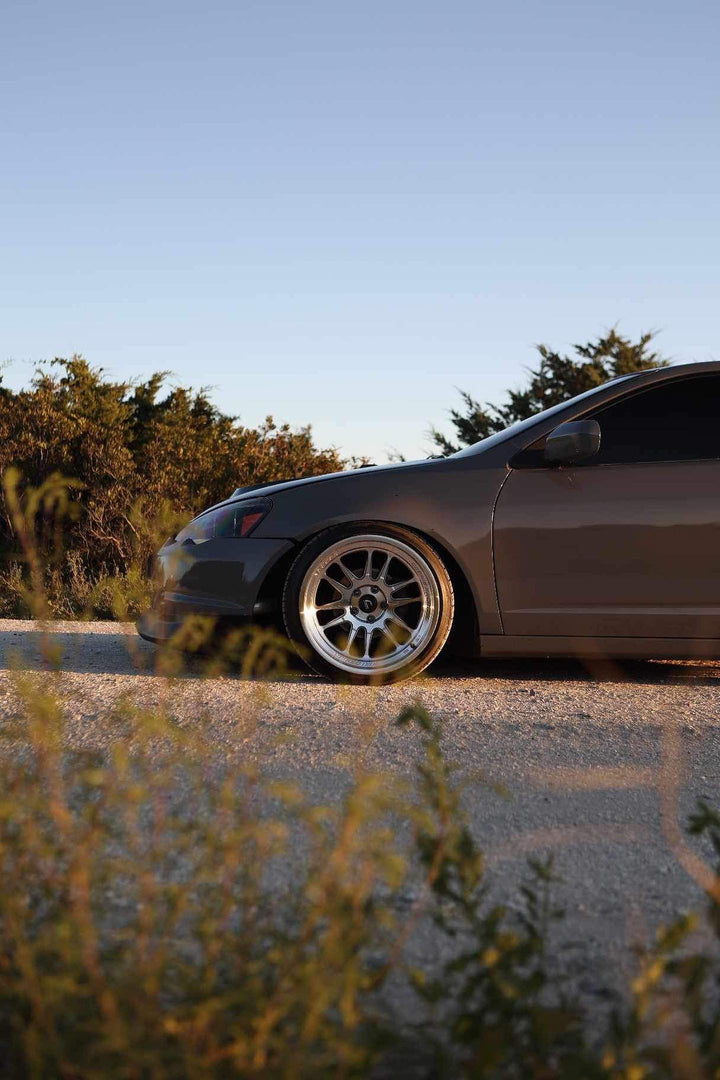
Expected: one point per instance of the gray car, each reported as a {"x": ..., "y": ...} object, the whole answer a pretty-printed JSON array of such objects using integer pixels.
[{"x": 590, "y": 529}]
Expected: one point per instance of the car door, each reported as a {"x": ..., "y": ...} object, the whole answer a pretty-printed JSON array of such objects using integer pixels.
[{"x": 628, "y": 543}]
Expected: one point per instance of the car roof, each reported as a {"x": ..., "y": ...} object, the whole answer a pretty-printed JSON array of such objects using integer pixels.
[{"x": 694, "y": 367}]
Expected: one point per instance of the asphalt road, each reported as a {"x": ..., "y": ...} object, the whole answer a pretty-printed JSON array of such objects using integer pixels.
[{"x": 603, "y": 763}]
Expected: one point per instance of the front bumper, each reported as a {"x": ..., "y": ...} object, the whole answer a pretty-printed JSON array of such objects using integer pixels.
[{"x": 221, "y": 578}]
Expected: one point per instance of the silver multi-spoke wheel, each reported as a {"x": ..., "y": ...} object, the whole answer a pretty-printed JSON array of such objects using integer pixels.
[{"x": 369, "y": 604}]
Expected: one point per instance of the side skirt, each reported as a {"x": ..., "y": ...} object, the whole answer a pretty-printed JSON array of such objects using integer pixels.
[{"x": 619, "y": 647}]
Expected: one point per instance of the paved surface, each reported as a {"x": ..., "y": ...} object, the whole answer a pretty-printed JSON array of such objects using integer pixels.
[{"x": 601, "y": 762}]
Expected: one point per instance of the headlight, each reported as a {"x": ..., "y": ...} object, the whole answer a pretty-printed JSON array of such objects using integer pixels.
[{"x": 227, "y": 522}]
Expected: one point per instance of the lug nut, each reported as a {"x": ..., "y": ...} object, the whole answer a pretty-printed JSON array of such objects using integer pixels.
[{"x": 374, "y": 588}]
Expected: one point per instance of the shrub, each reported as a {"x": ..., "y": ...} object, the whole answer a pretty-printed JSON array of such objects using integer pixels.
[{"x": 142, "y": 461}]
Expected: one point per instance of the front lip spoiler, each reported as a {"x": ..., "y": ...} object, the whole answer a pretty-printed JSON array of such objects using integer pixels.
[{"x": 153, "y": 626}]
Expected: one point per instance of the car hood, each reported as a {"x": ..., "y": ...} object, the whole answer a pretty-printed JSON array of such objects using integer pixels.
[{"x": 274, "y": 487}]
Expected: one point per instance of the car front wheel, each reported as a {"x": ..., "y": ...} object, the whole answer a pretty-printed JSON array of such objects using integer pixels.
[{"x": 368, "y": 603}]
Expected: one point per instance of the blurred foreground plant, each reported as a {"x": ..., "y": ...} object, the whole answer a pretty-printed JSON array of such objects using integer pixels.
[
  {"x": 167, "y": 913},
  {"x": 37, "y": 517},
  {"x": 163, "y": 914},
  {"x": 44, "y": 577}
]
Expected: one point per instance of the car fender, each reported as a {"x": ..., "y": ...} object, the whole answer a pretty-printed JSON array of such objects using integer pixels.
[{"x": 449, "y": 501}]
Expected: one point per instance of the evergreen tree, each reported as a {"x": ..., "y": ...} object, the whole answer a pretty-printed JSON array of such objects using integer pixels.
[{"x": 554, "y": 380}]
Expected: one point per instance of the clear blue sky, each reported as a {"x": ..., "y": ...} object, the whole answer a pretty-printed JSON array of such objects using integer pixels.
[{"x": 338, "y": 212}]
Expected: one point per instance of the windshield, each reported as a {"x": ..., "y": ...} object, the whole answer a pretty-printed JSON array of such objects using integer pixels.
[{"x": 521, "y": 425}]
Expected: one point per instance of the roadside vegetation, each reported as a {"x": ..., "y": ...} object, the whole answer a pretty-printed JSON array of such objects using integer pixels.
[
  {"x": 143, "y": 462},
  {"x": 166, "y": 912}
]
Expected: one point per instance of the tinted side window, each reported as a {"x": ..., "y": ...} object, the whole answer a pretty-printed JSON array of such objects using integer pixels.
[{"x": 678, "y": 421}]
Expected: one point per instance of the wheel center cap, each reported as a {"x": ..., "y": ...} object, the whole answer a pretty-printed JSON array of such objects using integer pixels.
[{"x": 368, "y": 602}]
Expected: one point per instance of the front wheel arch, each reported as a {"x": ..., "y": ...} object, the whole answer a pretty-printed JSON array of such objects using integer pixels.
[
  {"x": 465, "y": 634},
  {"x": 434, "y": 610}
]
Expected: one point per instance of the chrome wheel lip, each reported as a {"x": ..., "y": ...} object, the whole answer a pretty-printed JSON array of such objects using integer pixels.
[{"x": 383, "y": 617}]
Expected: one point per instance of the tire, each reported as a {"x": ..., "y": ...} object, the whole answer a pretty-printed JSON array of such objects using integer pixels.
[{"x": 368, "y": 603}]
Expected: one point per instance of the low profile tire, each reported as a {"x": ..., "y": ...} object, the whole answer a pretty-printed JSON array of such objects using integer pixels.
[{"x": 368, "y": 603}]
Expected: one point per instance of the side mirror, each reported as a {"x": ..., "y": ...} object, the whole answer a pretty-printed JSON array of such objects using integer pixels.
[{"x": 575, "y": 441}]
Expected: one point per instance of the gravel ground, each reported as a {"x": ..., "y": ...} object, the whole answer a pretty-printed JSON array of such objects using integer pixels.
[{"x": 601, "y": 761}]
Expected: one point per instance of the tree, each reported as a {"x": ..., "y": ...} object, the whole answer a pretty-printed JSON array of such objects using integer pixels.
[{"x": 554, "y": 380}]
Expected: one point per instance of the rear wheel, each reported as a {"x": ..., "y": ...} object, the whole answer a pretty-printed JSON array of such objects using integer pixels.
[{"x": 368, "y": 603}]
